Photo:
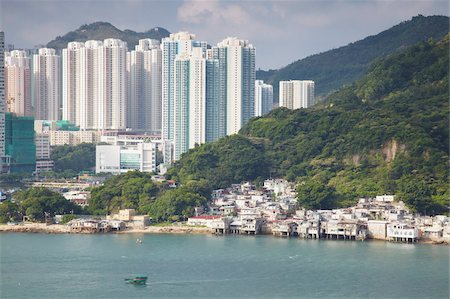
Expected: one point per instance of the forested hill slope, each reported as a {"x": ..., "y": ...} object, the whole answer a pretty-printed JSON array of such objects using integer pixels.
[
  {"x": 104, "y": 30},
  {"x": 335, "y": 68},
  {"x": 388, "y": 133}
]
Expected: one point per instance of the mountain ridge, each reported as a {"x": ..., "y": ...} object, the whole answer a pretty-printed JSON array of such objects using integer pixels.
[
  {"x": 341, "y": 66},
  {"x": 101, "y": 30}
]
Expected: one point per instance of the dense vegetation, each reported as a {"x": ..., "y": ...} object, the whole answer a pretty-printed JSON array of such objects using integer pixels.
[
  {"x": 388, "y": 133},
  {"x": 136, "y": 190},
  {"x": 36, "y": 203},
  {"x": 335, "y": 68},
  {"x": 132, "y": 190},
  {"x": 231, "y": 159},
  {"x": 103, "y": 30},
  {"x": 73, "y": 158}
]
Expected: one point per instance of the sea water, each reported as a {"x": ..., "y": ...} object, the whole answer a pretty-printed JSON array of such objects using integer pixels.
[{"x": 194, "y": 266}]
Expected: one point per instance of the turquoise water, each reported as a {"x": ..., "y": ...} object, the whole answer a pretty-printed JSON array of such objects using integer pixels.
[{"x": 193, "y": 266}]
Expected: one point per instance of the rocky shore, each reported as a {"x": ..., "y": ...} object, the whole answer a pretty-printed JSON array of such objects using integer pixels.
[
  {"x": 35, "y": 228},
  {"x": 64, "y": 229}
]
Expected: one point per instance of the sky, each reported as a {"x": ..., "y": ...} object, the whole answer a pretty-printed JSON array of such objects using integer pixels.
[{"x": 282, "y": 31}]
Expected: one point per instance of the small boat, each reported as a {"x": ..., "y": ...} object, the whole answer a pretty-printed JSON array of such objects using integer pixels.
[
  {"x": 138, "y": 280},
  {"x": 138, "y": 241}
]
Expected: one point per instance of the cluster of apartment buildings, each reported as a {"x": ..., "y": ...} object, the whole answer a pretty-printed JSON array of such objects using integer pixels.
[
  {"x": 273, "y": 209},
  {"x": 180, "y": 88}
]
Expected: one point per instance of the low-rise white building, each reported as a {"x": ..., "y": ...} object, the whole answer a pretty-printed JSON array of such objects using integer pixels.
[
  {"x": 279, "y": 187},
  {"x": 118, "y": 159},
  {"x": 402, "y": 232},
  {"x": 385, "y": 198}
]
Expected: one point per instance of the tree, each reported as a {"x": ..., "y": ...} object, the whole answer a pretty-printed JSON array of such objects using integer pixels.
[
  {"x": 315, "y": 195},
  {"x": 36, "y": 202},
  {"x": 179, "y": 202},
  {"x": 131, "y": 190},
  {"x": 417, "y": 194},
  {"x": 9, "y": 211},
  {"x": 75, "y": 158}
]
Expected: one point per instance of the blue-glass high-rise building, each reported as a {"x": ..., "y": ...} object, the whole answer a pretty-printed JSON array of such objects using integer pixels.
[
  {"x": 237, "y": 57},
  {"x": 213, "y": 109},
  {"x": 20, "y": 144},
  {"x": 216, "y": 94},
  {"x": 206, "y": 93},
  {"x": 177, "y": 45},
  {"x": 181, "y": 106}
]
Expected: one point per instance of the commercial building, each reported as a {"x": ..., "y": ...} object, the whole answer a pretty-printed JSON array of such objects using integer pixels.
[
  {"x": 127, "y": 152},
  {"x": 144, "y": 87},
  {"x": 263, "y": 98},
  {"x": 19, "y": 143},
  {"x": 296, "y": 94},
  {"x": 118, "y": 159},
  {"x": 46, "y": 84},
  {"x": 18, "y": 83}
]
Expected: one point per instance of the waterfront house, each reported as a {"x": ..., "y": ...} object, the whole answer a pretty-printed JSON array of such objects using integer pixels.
[
  {"x": 285, "y": 228},
  {"x": 309, "y": 229},
  {"x": 344, "y": 229},
  {"x": 251, "y": 225},
  {"x": 235, "y": 227},
  {"x": 434, "y": 233},
  {"x": 129, "y": 217},
  {"x": 84, "y": 226},
  {"x": 402, "y": 232},
  {"x": 104, "y": 226},
  {"x": 377, "y": 229},
  {"x": 220, "y": 225}
]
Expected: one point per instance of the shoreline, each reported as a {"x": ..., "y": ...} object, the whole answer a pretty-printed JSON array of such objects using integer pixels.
[
  {"x": 64, "y": 229},
  {"x": 41, "y": 228}
]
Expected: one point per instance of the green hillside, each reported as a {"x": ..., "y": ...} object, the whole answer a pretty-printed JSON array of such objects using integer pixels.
[
  {"x": 103, "y": 30},
  {"x": 342, "y": 66},
  {"x": 387, "y": 133}
]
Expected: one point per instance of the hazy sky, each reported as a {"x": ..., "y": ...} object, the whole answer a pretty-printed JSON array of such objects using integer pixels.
[{"x": 282, "y": 31}]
